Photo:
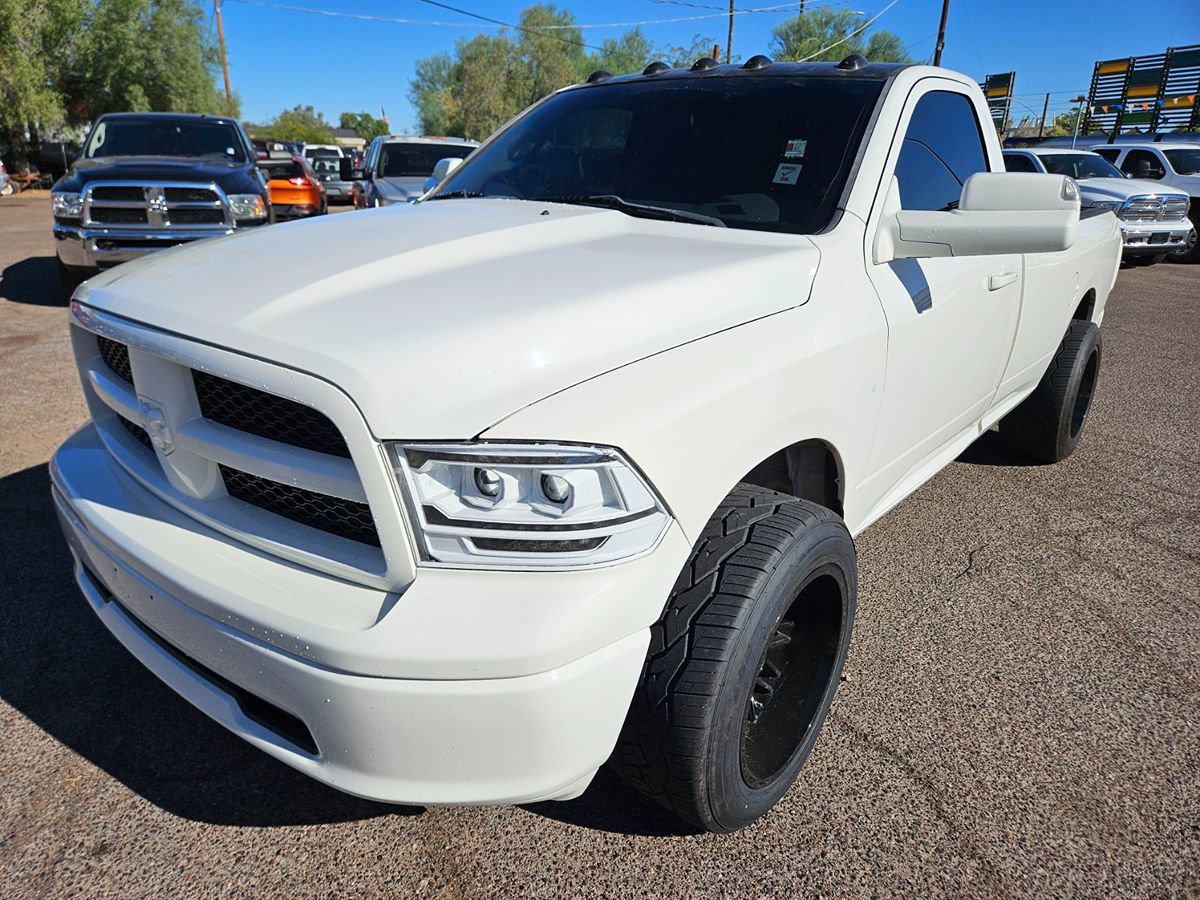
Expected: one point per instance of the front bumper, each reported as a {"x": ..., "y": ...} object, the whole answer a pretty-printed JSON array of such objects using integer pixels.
[
  {"x": 487, "y": 723},
  {"x": 1153, "y": 237},
  {"x": 96, "y": 247}
]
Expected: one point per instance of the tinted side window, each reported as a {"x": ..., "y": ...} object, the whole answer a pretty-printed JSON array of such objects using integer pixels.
[
  {"x": 1018, "y": 162},
  {"x": 1109, "y": 153},
  {"x": 942, "y": 149},
  {"x": 1142, "y": 164}
]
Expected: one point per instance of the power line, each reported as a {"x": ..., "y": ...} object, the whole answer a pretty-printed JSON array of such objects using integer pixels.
[
  {"x": 522, "y": 28},
  {"x": 863, "y": 27}
]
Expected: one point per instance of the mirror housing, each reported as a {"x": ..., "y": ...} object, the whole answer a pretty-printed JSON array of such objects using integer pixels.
[
  {"x": 345, "y": 169},
  {"x": 998, "y": 213},
  {"x": 441, "y": 171}
]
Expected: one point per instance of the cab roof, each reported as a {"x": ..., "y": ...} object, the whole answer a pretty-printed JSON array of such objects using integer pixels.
[{"x": 854, "y": 66}]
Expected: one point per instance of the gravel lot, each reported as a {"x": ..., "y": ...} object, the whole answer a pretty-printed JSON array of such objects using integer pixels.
[{"x": 1021, "y": 716}]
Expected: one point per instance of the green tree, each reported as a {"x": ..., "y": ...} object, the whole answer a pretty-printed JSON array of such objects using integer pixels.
[
  {"x": 142, "y": 55},
  {"x": 431, "y": 92},
  {"x": 621, "y": 56},
  {"x": 1063, "y": 125},
  {"x": 484, "y": 95},
  {"x": 806, "y": 37},
  {"x": 36, "y": 39},
  {"x": 680, "y": 56},
  {"x": 365, "y": 125},
  {"x": 300, "y": 123}
]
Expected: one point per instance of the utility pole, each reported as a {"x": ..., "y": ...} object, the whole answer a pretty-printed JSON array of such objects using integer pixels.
[
  {"x": 729, "y": 41},
  {"x": 941, "y": 41},
  {"x": 224, "y": 58},
  {"x": 1042, "y": 123}
]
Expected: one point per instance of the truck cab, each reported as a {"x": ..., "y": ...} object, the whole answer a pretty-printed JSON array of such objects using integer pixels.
[{"x": 146, "y": 181}]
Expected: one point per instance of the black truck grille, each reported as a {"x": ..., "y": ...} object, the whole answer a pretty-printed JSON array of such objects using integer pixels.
[
  {"x": 346, "y": 518},
  {"x": 116, "y": 357},
  {"x": 122, "y": 192},
  {"x": 116, "y": 215},
  {"x": 269, "y": 416},
  {"x": 140, "y": 433},
  {"x": 197, "y": 217}
]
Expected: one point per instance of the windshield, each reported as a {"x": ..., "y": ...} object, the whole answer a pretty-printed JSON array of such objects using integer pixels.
[
  {"x": 416, "y": 160},
  {"x": 1185, "y": 161},
  {"x": 1080, "y": 165},
  {"x": 165, "y": 137},
  {"x": 761, "y": 152}
]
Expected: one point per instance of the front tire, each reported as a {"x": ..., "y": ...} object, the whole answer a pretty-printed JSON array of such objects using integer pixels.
[
  {"x": 1049, "y": 422},
  {"x": 1190, "y": 252},
  {"x": 743, "y": 664}
]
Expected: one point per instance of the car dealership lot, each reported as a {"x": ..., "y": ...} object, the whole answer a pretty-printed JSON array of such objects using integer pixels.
[{"x": 1021, "y": 715}]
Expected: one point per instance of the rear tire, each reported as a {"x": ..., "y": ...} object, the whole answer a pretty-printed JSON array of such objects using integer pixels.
[
  {"x": 1048, "y": 424},
  {"x": 743, "y": 664}
]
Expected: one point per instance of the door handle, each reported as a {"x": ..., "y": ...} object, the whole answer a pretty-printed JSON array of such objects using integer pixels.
[{"x": 995, "y": 282}]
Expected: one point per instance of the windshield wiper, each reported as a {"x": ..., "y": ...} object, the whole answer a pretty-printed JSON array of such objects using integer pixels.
[
  {"x": 456, "y": 195},
  {"x": 645, "y": 210}
]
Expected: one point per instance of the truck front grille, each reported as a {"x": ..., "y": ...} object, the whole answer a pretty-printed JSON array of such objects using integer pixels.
[
  {"x": 1175, "y": 207},
  {"x": 156, "y": 206},
  {"x": 116, "y": 357},
  {"x": 269, "y": 416},
  {"x": 332, "y": 514}
]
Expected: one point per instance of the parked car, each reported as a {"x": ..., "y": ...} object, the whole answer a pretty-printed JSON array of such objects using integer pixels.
[
  {"x": 146, "y": 181},
  {"x": 396, "y": 168},
  {"x": 1174, "y": 165},
  {"x": 333, "y": 168},
  {"x": 6, "y": 185},
  {"x": 295, "y": 190},
  {"x": 562, "y": 464},
  {"x": 1153, "y": 221}
]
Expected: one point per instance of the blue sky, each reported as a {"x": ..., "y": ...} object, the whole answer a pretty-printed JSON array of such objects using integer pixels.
[{"x": 281, "y": 57}]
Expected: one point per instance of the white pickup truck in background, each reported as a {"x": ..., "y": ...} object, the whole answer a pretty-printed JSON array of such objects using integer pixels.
[
  {"x": 562, "y": 464},
  {"x": 1153, "y": 217},
  {"x": 1171, "y": 165}
]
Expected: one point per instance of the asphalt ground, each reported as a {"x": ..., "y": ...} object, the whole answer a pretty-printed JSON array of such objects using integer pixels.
[{"x": 1021, "y": 714}]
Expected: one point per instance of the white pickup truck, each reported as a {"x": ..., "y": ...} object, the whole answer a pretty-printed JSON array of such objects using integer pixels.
[{"x": 563, "y": 464}]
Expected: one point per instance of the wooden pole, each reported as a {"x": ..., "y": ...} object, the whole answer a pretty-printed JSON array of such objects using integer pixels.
[
  {"x": 729, "y": 41},
  {"x": 224, "y": 59},
  {"x": 1042, "y": 123}
]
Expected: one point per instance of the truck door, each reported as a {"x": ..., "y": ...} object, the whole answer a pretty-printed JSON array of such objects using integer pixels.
[{"x": 951, "y": 320}]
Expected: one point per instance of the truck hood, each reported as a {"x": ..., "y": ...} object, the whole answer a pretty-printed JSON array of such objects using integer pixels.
[
  {"x": 402, "y": 189},
  {"x": 440, "y": 319},
  {"x": 1123, "y": 188}
]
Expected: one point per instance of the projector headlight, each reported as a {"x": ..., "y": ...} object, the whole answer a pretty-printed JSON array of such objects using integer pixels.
[
  {"x": 67, "y": 206},
  {"x": 247, "y": 206},
  {"x": 527, "y": 506}
]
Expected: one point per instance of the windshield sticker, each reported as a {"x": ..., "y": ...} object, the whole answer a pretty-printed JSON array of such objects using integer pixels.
[
  {"x": 795, "y": 148},
  {"x": 787, "y": 173}
]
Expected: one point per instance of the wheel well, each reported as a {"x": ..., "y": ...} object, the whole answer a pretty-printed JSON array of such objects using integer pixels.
[
  {"x": 1087, "y": 306},
  {"x": 810, "y": 470}
]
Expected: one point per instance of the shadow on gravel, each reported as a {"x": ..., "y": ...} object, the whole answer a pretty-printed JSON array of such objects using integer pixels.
[
  {"x": 62, "y": 670},
  {"x": 33, "y": 280},
  {"x": 609, "y": 804},
  {"x": 989, "y": 450}
]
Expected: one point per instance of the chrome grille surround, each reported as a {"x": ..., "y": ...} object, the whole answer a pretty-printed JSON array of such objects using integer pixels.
[
  {"x": 1154, "y": 208},
  {"x": 121, "y": 204},
  {"x": 182, "y": 465}
]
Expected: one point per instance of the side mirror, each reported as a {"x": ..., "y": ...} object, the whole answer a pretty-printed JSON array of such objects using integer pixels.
[
  {"x": 998, "y": 213},
  {"x": 345, "y": 169},
  {"x": 440, "y": 172}
]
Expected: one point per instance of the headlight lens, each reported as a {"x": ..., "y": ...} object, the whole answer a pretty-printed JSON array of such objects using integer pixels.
[
  {"x": 247, "y": 206},
  {"x": 67, "y": 206},
  {"x": 524, "y": 506}
]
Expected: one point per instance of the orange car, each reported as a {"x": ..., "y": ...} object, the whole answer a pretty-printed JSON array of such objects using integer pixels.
[{"x": 295, "y": 190}]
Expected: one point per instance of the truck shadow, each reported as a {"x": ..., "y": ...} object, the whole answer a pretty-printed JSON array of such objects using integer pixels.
[
  {"x": 989, "y": 450},
  {"x": 33, "y": 281},
  {"x": 609, "y": 804},
  {"x": 61, "y": 669}
]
